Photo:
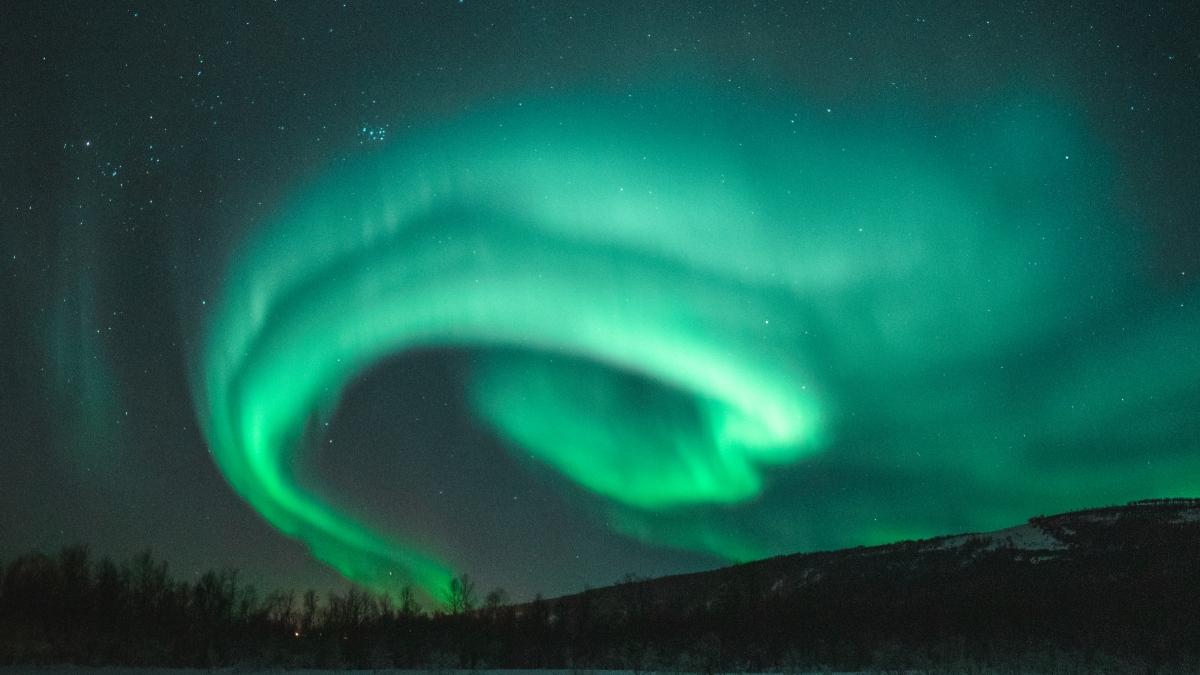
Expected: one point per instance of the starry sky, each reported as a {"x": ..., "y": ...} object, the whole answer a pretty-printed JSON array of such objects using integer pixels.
[{"x": 550, "y": 293}]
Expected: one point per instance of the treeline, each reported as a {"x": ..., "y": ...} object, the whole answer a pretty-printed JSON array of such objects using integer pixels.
[
  {"x": 1126, "y": 599},
  {"x": 1167, "y": 501},
  {"x": 69, "y": 608}
]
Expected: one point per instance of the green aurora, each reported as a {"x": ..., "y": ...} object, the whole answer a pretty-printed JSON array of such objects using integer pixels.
[{"x": 737, "y": 327}]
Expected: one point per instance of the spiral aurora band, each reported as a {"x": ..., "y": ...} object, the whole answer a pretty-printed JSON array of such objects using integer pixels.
[{"x": 669, "y": 296}]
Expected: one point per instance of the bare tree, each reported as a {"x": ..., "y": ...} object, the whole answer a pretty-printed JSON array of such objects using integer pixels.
[
  {"x": 496, "y": 599},
  {"x": 308, "y": 615},
  {"x": 409, "y": 607},
  {"x": 460, "y": 594}
]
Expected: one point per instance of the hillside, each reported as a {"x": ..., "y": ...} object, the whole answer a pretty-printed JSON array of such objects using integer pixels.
[
  {"x": 1104, "y": 590},
  {"x": 1117, "y": 540},
  {"x": 1121, "y": 581}
]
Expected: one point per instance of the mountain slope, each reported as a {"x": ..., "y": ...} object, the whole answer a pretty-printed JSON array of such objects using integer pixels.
[{"x": 1121, "y": 581}]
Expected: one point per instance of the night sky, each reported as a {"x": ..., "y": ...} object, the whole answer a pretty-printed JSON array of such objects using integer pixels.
[{"x": 550, "y": 293}]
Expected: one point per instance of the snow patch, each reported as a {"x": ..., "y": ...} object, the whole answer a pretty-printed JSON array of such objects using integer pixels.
[
  {"x": 1021, "y": 537},
  {"x": 1187, "y": 516}
]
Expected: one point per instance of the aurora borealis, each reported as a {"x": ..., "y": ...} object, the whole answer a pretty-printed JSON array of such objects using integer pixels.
[{"x": 551, "y": 326}]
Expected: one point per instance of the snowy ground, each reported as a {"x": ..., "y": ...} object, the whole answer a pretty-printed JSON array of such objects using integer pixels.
[{"x": 79, "y": 670}]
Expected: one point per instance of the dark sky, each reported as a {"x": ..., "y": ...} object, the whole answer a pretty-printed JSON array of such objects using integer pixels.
[{"x": 152, "y": 153}]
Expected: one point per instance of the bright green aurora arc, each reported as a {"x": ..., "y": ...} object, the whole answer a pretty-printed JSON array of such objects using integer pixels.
[{"x": 689, "y": 305}]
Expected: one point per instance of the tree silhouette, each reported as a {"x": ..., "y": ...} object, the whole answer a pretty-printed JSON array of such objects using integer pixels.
[
  {"x": 1122, "y": 597},
  {"x": 495, "y": 599},
  {"x": 460, "y": 594}
]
